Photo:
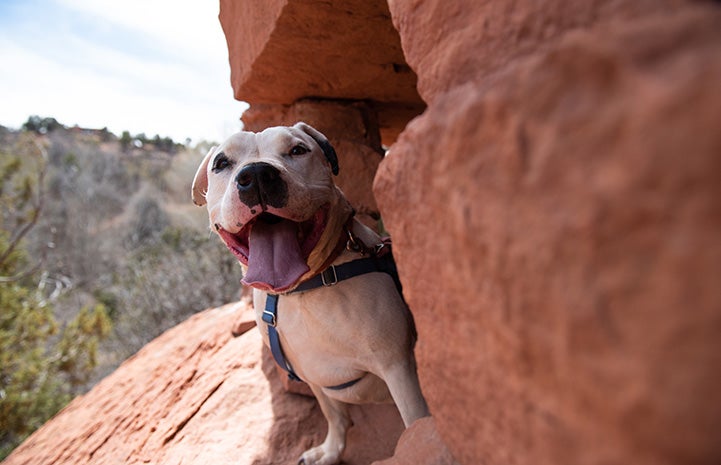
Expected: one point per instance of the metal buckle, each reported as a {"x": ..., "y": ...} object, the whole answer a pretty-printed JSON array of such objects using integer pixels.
[
  {"x": 269, "y": 318},
  {"x": 334, "y": 277}
]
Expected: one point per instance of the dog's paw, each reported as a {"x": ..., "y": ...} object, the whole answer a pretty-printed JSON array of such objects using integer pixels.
[{"x": 319, "y": 456}]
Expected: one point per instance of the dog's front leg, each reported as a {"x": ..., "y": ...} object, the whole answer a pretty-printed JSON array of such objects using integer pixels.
[
  {"x": 336, "y": 412},
  {"x": 402, "y": 381}
]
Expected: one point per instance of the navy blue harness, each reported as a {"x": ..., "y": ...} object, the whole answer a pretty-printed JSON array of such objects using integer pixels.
[{"x": 330, "y": 276}]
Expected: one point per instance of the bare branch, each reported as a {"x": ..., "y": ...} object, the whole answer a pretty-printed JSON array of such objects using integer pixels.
[{"x": 37, "y": 206}]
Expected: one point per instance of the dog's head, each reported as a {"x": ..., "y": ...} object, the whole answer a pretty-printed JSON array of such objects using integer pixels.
[{"x": 271, "y": 198}]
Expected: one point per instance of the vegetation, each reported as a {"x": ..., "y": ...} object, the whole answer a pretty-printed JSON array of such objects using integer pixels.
[
  {"x": 38, "y": 373},
  {"x": 41, "y": 125},
  {"x": 165, "y": 144},
  {"x": 100, "y": 251}
]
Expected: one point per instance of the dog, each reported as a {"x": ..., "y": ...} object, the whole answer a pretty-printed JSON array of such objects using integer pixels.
[{"x": 272, "y": 200}]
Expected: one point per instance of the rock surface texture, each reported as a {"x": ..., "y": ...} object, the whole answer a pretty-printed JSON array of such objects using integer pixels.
[
  {"x": 556, "y": 219},
  {"x": 197, "y": 395},
  {"x": 557, "y": 226},
  {"x": 283, "y": 51}
]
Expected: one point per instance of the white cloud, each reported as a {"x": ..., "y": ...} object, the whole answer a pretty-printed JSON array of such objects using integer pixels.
[
  {"x": 177, "y": 84},
  {"x": 191, "y": 25}
]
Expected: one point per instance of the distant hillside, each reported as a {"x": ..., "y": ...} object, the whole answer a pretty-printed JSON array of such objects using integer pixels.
[{"x": 117, "y": 227}]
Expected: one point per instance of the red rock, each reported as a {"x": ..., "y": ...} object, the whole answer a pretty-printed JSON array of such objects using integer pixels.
[
  {"x": 245, "y": 320},
  {"x": 557, "y": 232},
  {"x": 197, "y": 395},
  {"x": 283, "y": 51},
  {"x": 451, "y": 43},
  {"x": 420, "y": 444}
]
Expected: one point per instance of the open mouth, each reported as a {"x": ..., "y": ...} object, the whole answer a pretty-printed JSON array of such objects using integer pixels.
[{"x": 275, "y": 249}]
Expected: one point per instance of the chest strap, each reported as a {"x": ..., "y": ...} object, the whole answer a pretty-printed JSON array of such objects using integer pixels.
[{"x": 329, "y": 277}]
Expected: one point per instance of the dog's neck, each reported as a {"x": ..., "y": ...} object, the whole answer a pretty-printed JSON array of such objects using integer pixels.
[{"x": 327, "y": 249}]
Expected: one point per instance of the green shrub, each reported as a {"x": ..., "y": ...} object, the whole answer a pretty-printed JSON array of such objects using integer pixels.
[{"x": 41, "y": 364}]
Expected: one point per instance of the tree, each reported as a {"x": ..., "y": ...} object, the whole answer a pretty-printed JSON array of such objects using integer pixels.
[
  {"x": 125, "y": 140},
  {"x": 21, "y": 199},
  {"x": 41, "y": 365},
  {"x": 29, "y": 394},
  {"x": 41, "y": 125}
]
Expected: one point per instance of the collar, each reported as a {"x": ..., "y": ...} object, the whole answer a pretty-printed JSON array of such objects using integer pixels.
[
  {"x": 378, "y": 258},
  {"x": 341, "y": 245}
]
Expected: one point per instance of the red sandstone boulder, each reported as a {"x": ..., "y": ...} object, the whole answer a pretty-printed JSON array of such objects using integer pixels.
[
  {"x": 450, "y": 43},
  {"x": 557, "y": 229},
  {"x": 420, "y": 444},
  {"x": 197, "y": 395},
  {"x": 284, "y": 51}
]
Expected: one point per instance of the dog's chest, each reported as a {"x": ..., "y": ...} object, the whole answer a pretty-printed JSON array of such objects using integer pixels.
[{"x": 349, "y": 320}]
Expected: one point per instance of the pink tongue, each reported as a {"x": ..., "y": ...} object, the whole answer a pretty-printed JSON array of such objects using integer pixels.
[{"x": 274, "y": 260}]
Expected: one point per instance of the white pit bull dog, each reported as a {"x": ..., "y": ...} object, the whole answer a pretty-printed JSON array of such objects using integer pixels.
[{"x": 325, "y": 295}]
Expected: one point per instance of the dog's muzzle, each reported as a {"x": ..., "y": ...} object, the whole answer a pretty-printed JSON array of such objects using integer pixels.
[{"x": 261, "y": 184}]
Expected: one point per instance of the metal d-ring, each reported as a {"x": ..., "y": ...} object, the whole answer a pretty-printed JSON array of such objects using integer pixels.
[{"x": 352, "y": 245}]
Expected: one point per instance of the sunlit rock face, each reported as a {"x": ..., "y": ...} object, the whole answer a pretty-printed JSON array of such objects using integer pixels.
[
  {"x": 198, "y": 394},
  {"x": 556, "y": 219}
]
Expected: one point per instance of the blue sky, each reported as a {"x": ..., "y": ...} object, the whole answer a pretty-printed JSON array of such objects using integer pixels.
[{"x": 152, "y": 66}]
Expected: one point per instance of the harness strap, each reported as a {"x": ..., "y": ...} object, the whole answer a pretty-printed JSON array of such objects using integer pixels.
[
  {"x": 336, "y": 273},
  {"x": 329, "y": 277},
  {"x": 270, "y": 314}
]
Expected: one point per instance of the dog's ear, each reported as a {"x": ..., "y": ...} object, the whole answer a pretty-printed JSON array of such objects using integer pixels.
[
  {"x": 200, "y": 182},
  {"x": 328, "y": 149}
]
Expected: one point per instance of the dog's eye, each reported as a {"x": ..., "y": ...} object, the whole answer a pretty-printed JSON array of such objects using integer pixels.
[
  {"x": 221, "y": 162},
  {"x": 298, "y": 150}
]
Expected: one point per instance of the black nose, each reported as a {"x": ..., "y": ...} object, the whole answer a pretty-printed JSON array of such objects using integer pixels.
[{"x": 261, "y": 183}]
